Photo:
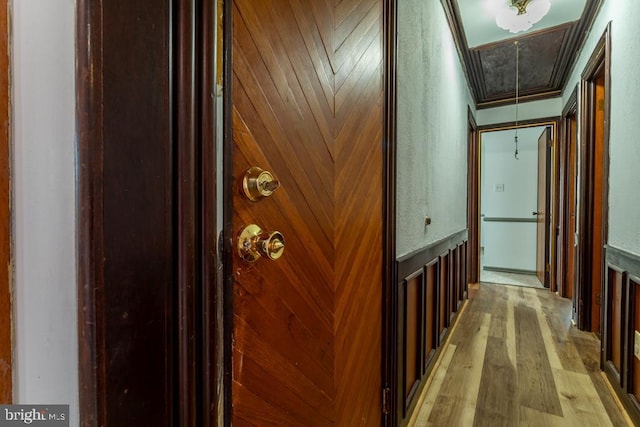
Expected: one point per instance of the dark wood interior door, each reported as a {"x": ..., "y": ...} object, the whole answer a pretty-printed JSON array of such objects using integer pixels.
[
  {"x": 542, "y": 213},
  {"x": 571, "y": 207},
  {"x": 307, "y": 106},
  {"x": 597, "y": 222}
]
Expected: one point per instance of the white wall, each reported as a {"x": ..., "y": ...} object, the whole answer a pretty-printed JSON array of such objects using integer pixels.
[
  {"x": 526, "y": 111},
  {"x": 45, "y": 344},
  {"x": 507, "y": 244},
  {"x": 433, "y": 96},
  {"x": 624, "y": 142}
]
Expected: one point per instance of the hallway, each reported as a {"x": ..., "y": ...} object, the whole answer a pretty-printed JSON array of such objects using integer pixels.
[{"x": 514, "y": 359}]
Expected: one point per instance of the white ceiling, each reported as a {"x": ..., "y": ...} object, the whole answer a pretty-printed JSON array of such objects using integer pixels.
[{"x": 480, "y": 28}]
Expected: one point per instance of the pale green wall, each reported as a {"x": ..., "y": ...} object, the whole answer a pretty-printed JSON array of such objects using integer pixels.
[
  {"x": 624, "y": 142},
  {"x": 433, "y": 96}
]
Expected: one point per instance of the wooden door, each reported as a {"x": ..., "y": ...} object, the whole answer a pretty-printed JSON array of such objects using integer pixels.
[
  {"x": 544, "y": 142},
  {"x": 571, "y": 204},
  {"x": 593, "y": 185},
  {"x": 597, "y": 222},
  {"x": 307, "y": 105},
  {"x": 473, "y": 199}
]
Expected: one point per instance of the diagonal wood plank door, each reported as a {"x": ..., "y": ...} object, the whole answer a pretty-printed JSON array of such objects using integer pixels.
[{"x": 308, "y": 106}]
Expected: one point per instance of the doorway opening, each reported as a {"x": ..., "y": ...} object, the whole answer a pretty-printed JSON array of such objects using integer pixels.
[
  {"x": 515, "y": 204},
  {"x": 594, "y": 158},
  {"x": 568, "y": 196}
]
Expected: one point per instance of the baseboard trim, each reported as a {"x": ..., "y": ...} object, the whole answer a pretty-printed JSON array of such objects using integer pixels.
[{"x": 509, "y": 270}]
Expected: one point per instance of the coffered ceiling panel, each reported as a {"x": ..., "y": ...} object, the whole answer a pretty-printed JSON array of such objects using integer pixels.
[{"x": 546, "y": 53}]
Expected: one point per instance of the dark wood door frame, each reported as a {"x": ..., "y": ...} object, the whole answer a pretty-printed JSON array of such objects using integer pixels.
[
  {"x": 5, "y": 212},
  {"x": 544, "y": 235},
  {"x": 159, "y": 70},
  {"x": 195, "y": 318},
  {"x": 567, "y": 179},
  {"x": 476, "y": 209},
  {"x": 389, "y": 274},
  {"x": 473, "y": 198},
  {"x": 600, "y": 61}
]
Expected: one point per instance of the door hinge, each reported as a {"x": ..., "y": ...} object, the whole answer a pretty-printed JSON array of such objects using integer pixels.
[
  {"x": 548, "y": 267},
  {"x": 386, "y": 401},
  {"x": 550, "y": 143},
  {"x": 599, "y": 299}
]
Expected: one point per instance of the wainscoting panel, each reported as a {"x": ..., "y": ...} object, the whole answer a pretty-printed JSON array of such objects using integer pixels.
[
  {"x": 633, "y": 387},
  {"x": 413, "y": 334},
  {"x": 454, "y": 266},
  {"x": 431, "y": 288},
  {"x": 444, "y": 307},
  {"x": 622, "y": 327},
  {"x": 431, "y": 309},
  {"x": 614, "y": 309}
]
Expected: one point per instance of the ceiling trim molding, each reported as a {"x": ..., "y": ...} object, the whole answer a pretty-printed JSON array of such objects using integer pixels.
[
  {"x": 539, "y": 96},
  {"x": 573, "y": 41}
]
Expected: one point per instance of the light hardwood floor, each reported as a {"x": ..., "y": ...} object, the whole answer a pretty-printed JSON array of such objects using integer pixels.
[{"x": 515, "y": 360}]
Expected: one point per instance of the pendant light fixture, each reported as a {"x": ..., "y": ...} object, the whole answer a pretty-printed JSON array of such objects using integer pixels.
[{"x": 520, "y": 15}]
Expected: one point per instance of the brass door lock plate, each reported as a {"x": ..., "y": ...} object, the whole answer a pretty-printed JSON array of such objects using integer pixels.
[
  {"x": 253, "y": 243},
  {"x": 258, "y": 183}
]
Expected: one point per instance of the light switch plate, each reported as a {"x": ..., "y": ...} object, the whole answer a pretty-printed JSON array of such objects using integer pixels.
[
  {"x": 499, "y": 188},
  {"x": 636, "y": 345}
]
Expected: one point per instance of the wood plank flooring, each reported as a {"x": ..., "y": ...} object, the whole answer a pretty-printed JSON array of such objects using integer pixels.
[{"x": 514, "y": 359}]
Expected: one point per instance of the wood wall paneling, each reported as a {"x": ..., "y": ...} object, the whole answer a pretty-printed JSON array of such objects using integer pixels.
[
  {"x": 620, "y": 322},
  {"x": 431, "y": 312},
  {"x": 616, "y": 304},
  {"x": 430, "y": 291},
  {"x": 460, "y": 273},
  {"x": 413, "y": 333},
  {"x": 453, "y": 283},
  {"x": 465, "y": 267},
  {"x": 5, "y": 219},
  {"x": 634, "y": 365},
  {"x": 443, "y": 289}
]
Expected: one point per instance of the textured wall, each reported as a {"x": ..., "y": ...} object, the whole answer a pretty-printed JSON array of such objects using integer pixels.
[
  {"x": 624, "y": 179},
  {"x": 432, "y": 128},
  {"x": 46, "y": 334}
]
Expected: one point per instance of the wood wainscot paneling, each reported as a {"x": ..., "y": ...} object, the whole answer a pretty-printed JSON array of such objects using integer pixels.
[
  {"x": 614, "y": 309},
  {"x": 431, "y": 308},
  {"x": 454, "y": 267},
  {"x": 621, "y": 327},
  {"x": 444, "y": 307},
  {"x": 634, "y": 365},
  {"x": 413, "y": 305},
  {"x": 431, "y": 288}
]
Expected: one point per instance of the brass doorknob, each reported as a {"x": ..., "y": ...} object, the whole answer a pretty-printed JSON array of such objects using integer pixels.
[
  {"x": 258, "y": 183},
  {"x": 253, "y": 243}
]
